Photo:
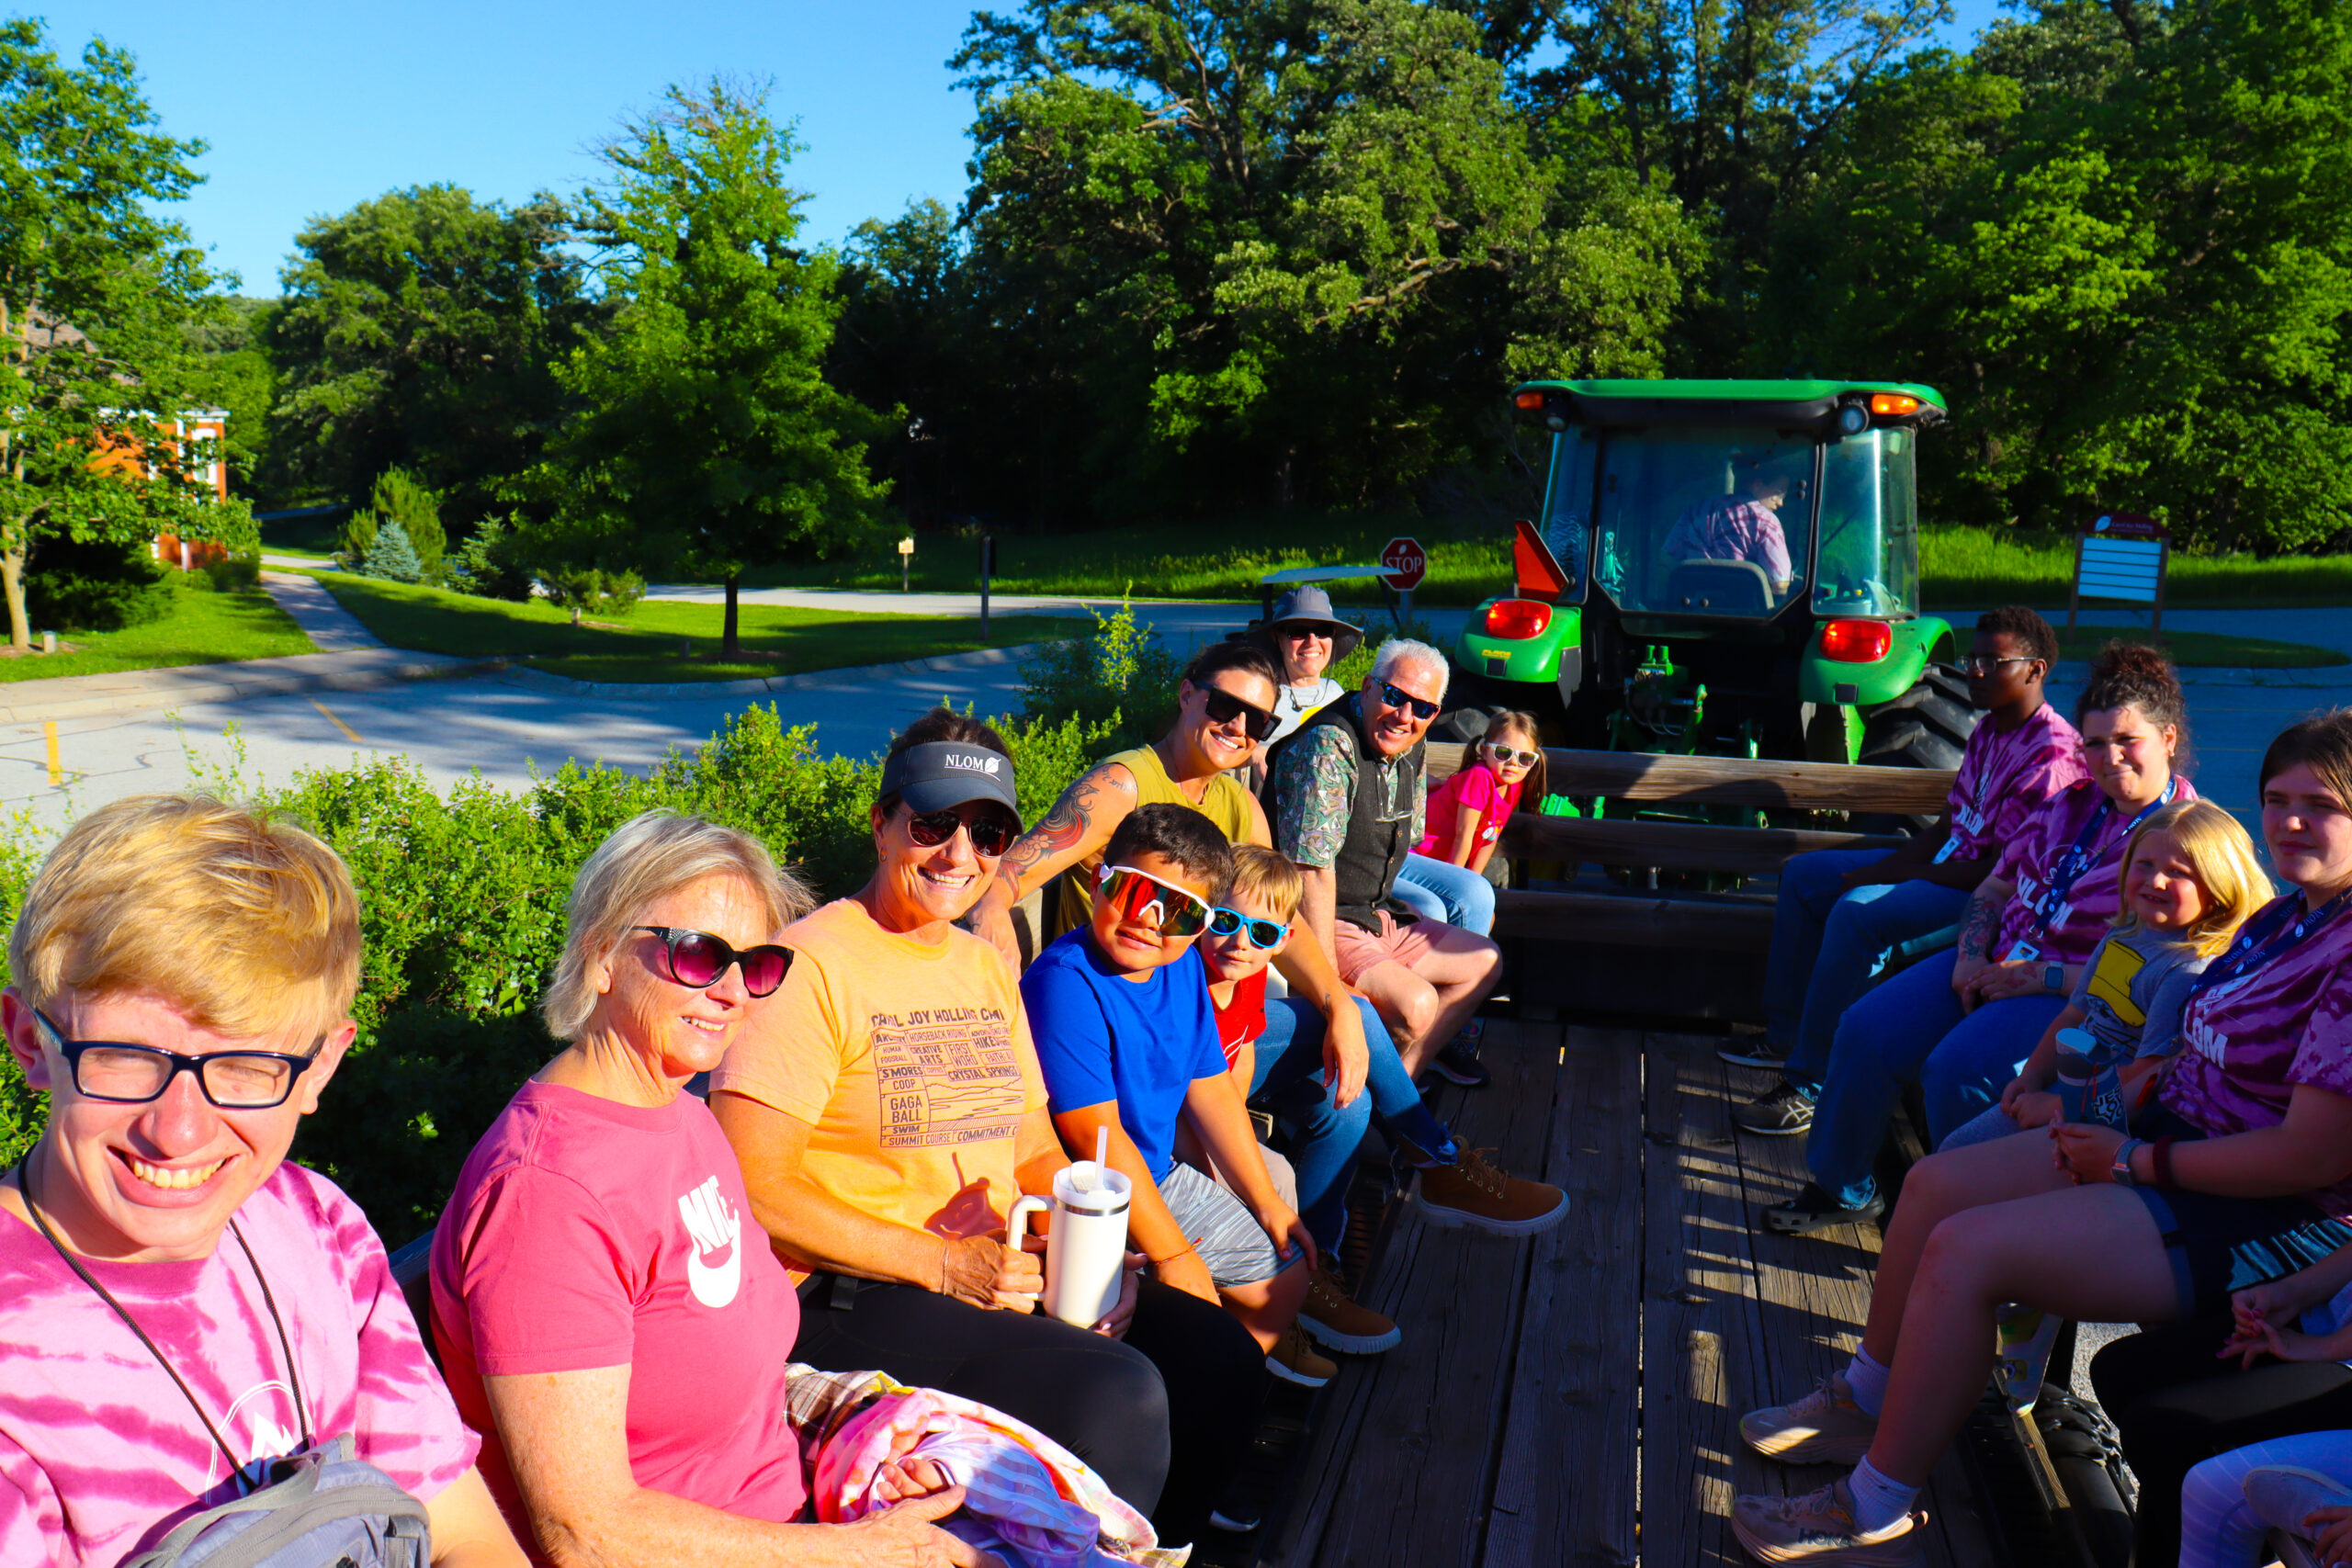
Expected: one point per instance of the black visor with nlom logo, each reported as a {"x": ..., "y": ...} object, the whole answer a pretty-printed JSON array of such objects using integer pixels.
[{"x": 941, "y": 774}]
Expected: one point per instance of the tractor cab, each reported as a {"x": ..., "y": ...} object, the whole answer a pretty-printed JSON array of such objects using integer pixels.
[{"x": 1751, "y": 544}]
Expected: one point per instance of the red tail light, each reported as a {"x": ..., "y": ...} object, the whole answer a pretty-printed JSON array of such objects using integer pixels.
[
  {"x": 1518, "y": 618},
  {"x": 1856, "y": 642}
]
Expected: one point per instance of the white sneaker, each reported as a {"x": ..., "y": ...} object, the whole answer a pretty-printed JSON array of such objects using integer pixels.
[
  {"x": 1819, "y": 1527},
  {"x": 1824, "y": 1428}
]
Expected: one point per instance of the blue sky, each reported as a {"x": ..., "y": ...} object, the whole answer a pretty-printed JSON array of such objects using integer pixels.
[{"x": 314, "y": 106}]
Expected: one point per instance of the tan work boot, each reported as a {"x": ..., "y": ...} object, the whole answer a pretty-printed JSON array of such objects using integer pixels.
[
  {"x": 1470, "y": 1192},
  {"x": 1292, "y": 1360},
  {"x": 1336, "y": 1322}
]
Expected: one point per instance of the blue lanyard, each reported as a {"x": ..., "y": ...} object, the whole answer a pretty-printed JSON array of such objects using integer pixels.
[
  {"x": 2079, "y": 858},
  {"x": 2268, "y": 937}
]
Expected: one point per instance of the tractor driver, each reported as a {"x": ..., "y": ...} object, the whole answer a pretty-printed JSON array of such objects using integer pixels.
[{"x": 1743, "y": 526}]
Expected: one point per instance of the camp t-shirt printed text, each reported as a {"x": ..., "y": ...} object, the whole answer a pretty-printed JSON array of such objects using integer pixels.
[{"x": 946, "y": 1075}]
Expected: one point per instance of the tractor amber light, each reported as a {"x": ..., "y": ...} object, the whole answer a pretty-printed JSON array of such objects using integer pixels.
[
  {"x": 1529, "y": 402},
  {"x": 1894, "y": 405},
  {"x": 1518, "y": 618},
  {"x": 1856, "y": 642}
]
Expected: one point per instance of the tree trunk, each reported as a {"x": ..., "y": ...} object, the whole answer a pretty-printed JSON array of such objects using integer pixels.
[
  {"x": 12, "y": 582},
  {"x": 730, "y": 647}
]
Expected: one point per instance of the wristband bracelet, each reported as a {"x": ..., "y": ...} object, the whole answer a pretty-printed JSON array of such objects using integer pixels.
[
  {"x": 1172, "y": 1257},
  {"x": 2163, "y": 1157}
]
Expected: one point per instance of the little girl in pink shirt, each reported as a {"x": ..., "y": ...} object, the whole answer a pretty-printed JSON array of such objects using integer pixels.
[{"x": 1445, "y": 876}]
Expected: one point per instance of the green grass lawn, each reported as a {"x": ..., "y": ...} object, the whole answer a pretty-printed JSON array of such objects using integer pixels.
[
  {"x": 1192, "y": 559},
  {"x": 303, "y": 535},
  {"x": 203, "y": 628},
  {"x": 1981, "y": 565},
  {"x": 646, "y": 644},
  {"x": 1469, "y": 560},
  {"x": 2207, "y": 649}
]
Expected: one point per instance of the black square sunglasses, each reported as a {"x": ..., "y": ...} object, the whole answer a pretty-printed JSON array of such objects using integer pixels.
[
  {"x": 697, "y": 959},
  {"x": 1223, "y": 707}
]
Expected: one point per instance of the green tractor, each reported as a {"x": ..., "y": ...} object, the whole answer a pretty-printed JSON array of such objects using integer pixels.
[{"x": 1726, "y": 567}]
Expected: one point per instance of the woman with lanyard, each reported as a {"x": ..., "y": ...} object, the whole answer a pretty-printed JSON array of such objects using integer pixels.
[
  {"x": 2240, "y": 1172},
  {"x": 1973, "y": 1018}
]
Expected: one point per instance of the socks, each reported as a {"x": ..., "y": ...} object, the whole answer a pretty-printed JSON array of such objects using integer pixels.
[
  {"x": 1867, "y": 1380},
  {"x": 1878, "y": 1501}
]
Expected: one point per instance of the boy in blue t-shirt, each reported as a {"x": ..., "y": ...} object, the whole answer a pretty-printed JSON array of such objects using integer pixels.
[{"x": 1119, "y": 1009}]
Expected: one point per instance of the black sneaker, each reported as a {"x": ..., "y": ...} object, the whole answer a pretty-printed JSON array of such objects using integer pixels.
[
  {"x": 1756, "y": 1050},
  {"x": 1813, "y": 1210},
  {"x": 1458, "y": 1063},
  {"x": 1779, "y": 1111}
]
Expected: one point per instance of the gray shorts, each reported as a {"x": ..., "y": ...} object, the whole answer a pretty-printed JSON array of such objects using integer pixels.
[{"x": 1228, "y": 1236}]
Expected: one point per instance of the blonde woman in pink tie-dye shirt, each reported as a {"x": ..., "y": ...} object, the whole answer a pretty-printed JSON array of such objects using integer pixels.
[{"x": 184, "y": 977}]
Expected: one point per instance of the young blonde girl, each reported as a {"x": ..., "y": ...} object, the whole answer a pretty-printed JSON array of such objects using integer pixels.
[
  {"x": 2190, "y": 879},
  {"x": 1445, "y": 876}
]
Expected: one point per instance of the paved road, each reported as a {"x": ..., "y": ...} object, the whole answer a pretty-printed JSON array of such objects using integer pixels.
[{"x": 449, "y": 728}]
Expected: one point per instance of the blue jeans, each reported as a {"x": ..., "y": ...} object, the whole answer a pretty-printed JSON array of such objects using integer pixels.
[
  {"x": 1827, "y": 943},
  {"x": 1884, "y": 1041},
  {"x": 1291, "y": 1050},
  {"x": 1441, "y": 890}
]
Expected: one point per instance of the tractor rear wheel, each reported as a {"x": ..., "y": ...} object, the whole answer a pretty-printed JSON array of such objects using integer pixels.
[{"x": 1927, "y": 726}]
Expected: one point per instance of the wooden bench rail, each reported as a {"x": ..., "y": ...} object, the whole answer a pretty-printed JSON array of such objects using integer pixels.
[
  {"x": 1634, "y": 920},
  {"x": 1727, "y": 780},
  {"x": 1673, "y": 846}
]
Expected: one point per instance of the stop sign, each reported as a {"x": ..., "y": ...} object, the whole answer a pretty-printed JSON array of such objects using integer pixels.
[{"x": 1407, "y": 562}]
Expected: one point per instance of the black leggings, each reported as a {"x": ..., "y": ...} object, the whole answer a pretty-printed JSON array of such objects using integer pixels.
[
  {"x": 2176, "y": 1406},
  {"x": 1176, "y": 1403}
]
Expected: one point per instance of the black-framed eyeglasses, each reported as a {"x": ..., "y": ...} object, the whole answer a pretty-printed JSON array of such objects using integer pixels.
[
  {"x": 993, "y": 828},
  {"x": 1254, "y": 932},
  {"x": 697, "y": 959},
  {"x": 123, "y": 1073},
  {"x": 1396, "y": 696},
  {"x": 1986, "y": 664},
  {"x": 1223, "y": 707}
]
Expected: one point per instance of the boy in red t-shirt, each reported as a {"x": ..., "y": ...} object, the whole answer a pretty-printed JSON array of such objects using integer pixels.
[{"x": 1245, "y": 935}]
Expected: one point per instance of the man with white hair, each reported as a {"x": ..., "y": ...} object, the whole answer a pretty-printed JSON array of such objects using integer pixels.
[{"x": 1347, "y": 795}]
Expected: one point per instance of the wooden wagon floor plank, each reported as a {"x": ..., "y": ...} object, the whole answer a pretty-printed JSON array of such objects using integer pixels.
[
  {"x": 1565, "y": 1486},
  {"x": 1411, "y": 1483},
  {"x": 1703, "y": 1340},
  {"x": 1816, "y": 1290}
]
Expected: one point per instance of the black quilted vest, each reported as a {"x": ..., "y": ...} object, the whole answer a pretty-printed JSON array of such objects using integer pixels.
[{"x": 1380, "y": 830}]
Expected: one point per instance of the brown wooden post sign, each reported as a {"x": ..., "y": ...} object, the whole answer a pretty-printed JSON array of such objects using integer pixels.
[{"x": 2121, "y": 556}]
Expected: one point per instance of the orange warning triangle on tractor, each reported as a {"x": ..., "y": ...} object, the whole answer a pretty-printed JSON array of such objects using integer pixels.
[{"x": 1538, "y": 573}]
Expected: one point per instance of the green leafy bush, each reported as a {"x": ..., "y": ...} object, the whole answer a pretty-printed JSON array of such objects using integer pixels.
[
  {"x": 1119, "y": 676},
  {"x": 97, "y": 586},
  {"x": 462, "y": 915},
  {"x": 592, "y": 590},
  {"x": 237, "y": 573}
]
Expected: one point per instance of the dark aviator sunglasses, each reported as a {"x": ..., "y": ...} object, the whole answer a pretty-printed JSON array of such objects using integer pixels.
[
  {"x": 1396, "y": 696},
  {"x": 697, "y": 959}
]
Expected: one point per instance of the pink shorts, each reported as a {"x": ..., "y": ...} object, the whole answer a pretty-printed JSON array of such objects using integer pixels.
[{"x": 1360, "y": 951}]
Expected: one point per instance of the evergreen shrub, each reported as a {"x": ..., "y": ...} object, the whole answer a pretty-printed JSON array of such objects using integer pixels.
[
  {"x": 390, "y": 556},
  {"x": 96, "y": 587}
]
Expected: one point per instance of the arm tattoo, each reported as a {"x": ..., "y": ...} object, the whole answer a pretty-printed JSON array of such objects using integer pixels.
[
  {"x": 1064, "y": 829},
  {"x": 1978, "y": 925}
]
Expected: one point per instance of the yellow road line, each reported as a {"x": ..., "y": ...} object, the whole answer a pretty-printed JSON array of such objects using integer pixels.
[
  {"x": 56, "y": 773},
  {"x": 352, "y": 734}
]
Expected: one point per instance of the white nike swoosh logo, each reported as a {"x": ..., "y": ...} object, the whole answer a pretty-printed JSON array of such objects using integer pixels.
[{"x": 714, "y": 1284}]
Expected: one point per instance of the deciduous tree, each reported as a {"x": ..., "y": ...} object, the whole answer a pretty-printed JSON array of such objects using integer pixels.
[
  {"x": 707, "y": 439},
  {"x": 98, "y": 295}
]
